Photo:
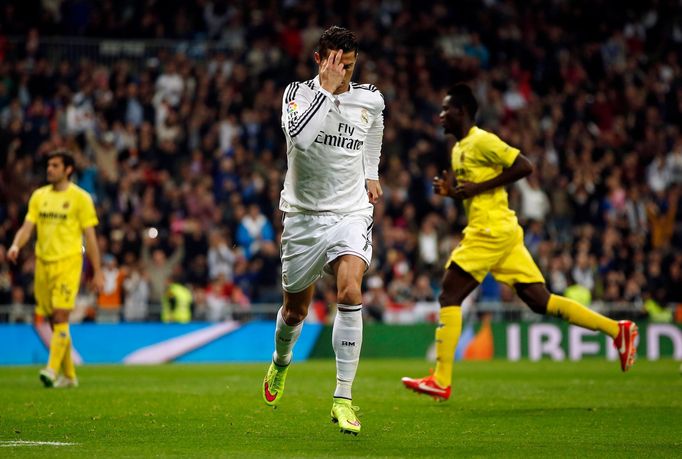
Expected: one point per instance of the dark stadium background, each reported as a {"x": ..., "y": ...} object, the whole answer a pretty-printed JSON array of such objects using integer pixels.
[{"x": 172, "y": 109}]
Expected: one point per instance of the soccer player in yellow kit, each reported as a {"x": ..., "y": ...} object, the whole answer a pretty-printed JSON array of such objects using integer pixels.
[
  {"x": 62, "y": 212},
  {"x": 493, "y": 242}
]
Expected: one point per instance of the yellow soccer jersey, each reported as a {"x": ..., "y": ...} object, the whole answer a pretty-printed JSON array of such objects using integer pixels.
[
  {"x": 478, "y": 157},
  {"x": 60, "y": 218}
]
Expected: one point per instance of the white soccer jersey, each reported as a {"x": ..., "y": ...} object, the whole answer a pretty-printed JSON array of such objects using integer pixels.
[{"x": 333, "y": 145}]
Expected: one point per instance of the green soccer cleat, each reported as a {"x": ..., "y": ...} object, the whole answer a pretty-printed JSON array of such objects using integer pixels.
[
  {"x": 273, "y": 384},
  {"x": 343, "y": 413}
]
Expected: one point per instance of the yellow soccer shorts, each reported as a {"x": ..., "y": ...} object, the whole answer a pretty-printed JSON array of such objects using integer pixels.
[
  {"x": 505, "y": 256},
  {"x": 56, "y": 284}
]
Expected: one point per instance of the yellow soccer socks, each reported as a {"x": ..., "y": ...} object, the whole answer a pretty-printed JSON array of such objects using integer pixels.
[
  {"x": 577, "y": 314},
  {"x": 68, "y": 368},
  {"x": 447, "y": 336},
  {"x": 61, "y": 340}
]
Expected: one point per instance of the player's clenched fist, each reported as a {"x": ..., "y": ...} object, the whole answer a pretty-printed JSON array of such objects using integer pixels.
[
  {"x": 442, "y": 185},
  {"x": 332, "y": 71}
]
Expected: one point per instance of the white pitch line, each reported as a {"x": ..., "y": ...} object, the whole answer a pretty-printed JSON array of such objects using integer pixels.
[{"x": 12, "y": 443}]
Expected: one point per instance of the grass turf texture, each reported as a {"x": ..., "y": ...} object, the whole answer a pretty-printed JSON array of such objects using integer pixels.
[{"x": 498, "y": 408}]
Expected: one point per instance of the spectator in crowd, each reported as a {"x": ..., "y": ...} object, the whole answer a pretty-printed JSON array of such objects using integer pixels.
[
  {"x": 422, "y": 290},
  {"x": 221, "y": 257},
  {"x": 169, "y": 89},
  {"x": 584, "y": 272},
  {"x": 158, "y": 266},
  {"x": 111, "y": 296},
  {"x": 254, "y": 228},
  {"x": 375, "y": 300},
  {"x": 176, "y": 303},
  {"x": 137, "y": 290},
  {"x": 428, "y": 245},
  {"x": 223, "y": 299},
  {"x": 534, "y": 201}
]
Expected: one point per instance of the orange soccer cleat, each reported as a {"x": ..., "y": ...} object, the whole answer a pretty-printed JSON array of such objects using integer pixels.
[
  {"x": 428, "y": 386},
  {"x": 625, "y": 343}
]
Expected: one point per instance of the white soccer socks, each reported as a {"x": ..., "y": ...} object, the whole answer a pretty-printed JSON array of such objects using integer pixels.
[
  {"x": 347, "y": 342},
  {"x": 285, "y": 339}
]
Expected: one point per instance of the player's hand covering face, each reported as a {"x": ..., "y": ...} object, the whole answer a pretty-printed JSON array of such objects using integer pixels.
[{"x": 336, "y": 70}]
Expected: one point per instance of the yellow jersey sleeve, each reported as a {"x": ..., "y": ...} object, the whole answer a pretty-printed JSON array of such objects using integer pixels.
[
  {"x": 87, "y": 216},
  {"x": 33, "y": 207},
  {"x": 495, "y": 151}
]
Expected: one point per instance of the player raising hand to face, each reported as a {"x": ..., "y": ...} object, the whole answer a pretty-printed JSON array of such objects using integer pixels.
[{"x": 333, "y": 129}]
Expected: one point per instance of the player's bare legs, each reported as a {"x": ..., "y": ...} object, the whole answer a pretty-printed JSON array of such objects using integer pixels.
[
  {"x": 349, "y": 270},
  {"x": 535, "y": 295},
  {"x": 624, "y": 333},
  {"x": 347, "y": 338},
  {"x": 288, "y": 327},
  {"x": 457, "y": 285},
  {"x": 295, "y": 307}
]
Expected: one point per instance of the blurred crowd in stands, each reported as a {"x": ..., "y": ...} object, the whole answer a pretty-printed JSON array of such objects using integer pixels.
[{"x": 185, "y": 158}]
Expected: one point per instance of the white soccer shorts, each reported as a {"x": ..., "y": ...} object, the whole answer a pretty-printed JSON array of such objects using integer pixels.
[{"x": 310, "y": 242}]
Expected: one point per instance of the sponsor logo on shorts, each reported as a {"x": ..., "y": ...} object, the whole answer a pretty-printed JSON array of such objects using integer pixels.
[
  {"x": 368, "y": 242},
  {"x": 65, "y": 291}
]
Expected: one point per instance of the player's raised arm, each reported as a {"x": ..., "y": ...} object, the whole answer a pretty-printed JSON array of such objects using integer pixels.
[{"x": 303, "y": 113}]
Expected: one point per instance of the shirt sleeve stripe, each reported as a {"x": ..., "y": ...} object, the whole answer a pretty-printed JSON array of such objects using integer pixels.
[
  {"x": 302, "y": 125},
  {"x": 294, "y": 123},
  {"x": 291, "y": 92},
  {"x": 317, "y": 103}
]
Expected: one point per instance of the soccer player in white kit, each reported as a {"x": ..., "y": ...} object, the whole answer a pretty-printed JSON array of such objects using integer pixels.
[{"x": 333, "y": 129}]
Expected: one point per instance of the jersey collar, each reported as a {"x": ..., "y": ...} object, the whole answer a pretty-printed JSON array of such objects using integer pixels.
[
  {"x": 316, "y": 84},
  {"x": 472, "y": 129},
  {"x": 68, "y": 186}
]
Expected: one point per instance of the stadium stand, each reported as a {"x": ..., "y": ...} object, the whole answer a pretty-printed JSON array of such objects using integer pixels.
[{"x": 173, "y": 111}]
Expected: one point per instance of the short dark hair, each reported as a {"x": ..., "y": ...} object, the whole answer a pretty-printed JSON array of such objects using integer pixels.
[
  {"x": 337, "y": 37},
  {"x": 461, "y": 95},
  {"x": 67, "y": 159}
]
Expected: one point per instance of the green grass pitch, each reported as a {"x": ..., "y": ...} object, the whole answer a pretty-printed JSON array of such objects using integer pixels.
[{"x": 498, "y": 408}]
